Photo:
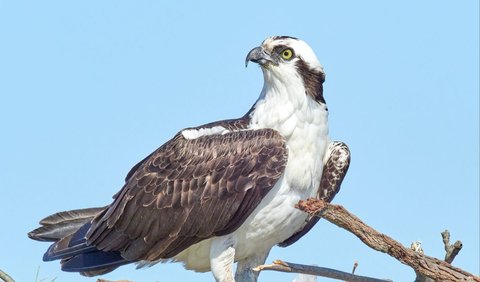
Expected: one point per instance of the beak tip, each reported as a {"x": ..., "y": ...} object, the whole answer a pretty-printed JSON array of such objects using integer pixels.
[
  {"x": 260, "y": 56},
  {"x": 252, "y": 55}
]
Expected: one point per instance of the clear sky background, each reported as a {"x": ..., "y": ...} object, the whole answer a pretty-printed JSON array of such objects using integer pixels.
[{"x": 88, "y": 88}]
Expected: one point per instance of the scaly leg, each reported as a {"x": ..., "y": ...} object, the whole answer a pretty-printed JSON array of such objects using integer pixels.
[
  {"x": 222, "y": 254},
  {"x": 244, "y": 271}
]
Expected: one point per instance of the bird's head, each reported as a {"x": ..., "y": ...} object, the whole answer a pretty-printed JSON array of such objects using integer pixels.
[{"x": 289, "y": 60}]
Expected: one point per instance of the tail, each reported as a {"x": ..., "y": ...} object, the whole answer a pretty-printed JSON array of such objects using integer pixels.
[{"x": 67, "y": 230}]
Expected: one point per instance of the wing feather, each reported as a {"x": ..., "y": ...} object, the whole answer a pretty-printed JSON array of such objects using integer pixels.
[{"x": 190, "y": 190}]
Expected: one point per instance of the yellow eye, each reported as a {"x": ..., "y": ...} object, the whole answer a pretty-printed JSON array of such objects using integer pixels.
[{"x": 287, "y": 54}]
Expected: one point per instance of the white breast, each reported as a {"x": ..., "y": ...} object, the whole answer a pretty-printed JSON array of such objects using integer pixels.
[{"x": 303, "y": 122}]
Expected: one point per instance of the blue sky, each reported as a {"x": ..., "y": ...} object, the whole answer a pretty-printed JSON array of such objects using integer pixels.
[{"x": 88, "y": 88}]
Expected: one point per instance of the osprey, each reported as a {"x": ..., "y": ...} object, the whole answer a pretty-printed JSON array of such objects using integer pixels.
[{"x": 218, "y": 193}]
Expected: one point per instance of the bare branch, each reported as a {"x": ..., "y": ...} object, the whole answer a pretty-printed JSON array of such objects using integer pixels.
[
  {"x": 451, "y": 251},
  {"x": 425, "y": 265},
  {"x": 355, "y": 265},
  {"x": 279, "y": 265},
  {"x": 5, "y": 277}
]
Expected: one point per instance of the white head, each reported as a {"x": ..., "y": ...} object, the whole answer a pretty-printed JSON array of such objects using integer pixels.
[{"x": 285, "y": 59}]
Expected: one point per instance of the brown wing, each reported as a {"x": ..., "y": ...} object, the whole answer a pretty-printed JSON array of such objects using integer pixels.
[
  {"x": 188, "y": 191},
  {"x": 333, "y": 174}
]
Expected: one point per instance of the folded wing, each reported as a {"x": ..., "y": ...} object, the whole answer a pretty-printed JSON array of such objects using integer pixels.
[{"x": 188, "y": 191}]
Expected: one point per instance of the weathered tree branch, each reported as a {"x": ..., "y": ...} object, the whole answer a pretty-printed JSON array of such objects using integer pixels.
[
  {"x": 451, "y": 251},
  {"x": 417, "y": 247},
  {"x": 427, "y": 266},
  {"x": 284, "y": 266}
]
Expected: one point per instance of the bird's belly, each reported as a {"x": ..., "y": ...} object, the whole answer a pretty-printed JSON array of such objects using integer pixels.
[{"x": 275, "y": 220}]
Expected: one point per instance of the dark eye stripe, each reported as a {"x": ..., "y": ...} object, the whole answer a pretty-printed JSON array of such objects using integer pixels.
[{"x": 278, "y": 49}]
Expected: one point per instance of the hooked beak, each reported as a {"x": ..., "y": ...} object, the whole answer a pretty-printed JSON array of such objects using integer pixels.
[{"x": 260, "y": 56}]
